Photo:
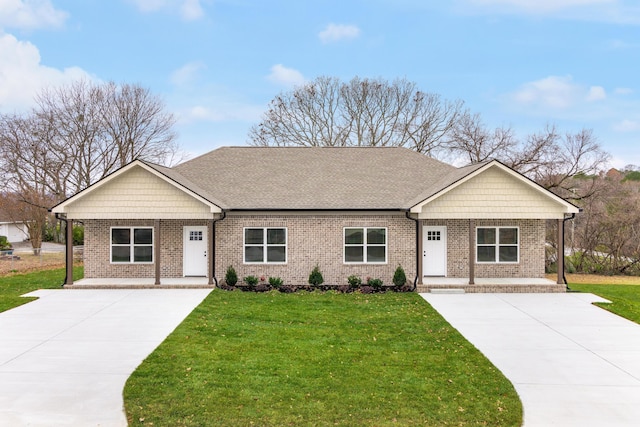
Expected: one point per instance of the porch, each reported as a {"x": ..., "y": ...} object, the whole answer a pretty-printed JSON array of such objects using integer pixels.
[
  {"x": 143, "y": 283},
  {"x": 489, "y": 285}
]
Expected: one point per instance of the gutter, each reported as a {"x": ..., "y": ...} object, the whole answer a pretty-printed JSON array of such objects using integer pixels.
[
  {"x": 417, "y": 221},
  {"x": 66, "y": 258},
  {"x": 213, "y": 246}
]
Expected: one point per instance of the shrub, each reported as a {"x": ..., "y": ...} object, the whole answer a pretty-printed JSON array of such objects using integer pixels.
[
  {"x": 375, "y": 283},
  {"x": 231, "y": 277},
  {"x": 399, "y": 278},
  {"x": 4, "y": 243},
  {"x": 251, "y": 281},
  {"x": 275, "y": 282},
  {"x": 315, "y": 278},
  {"x": 354, "y": 281}
]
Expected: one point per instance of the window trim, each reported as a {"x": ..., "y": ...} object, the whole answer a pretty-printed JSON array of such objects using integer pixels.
[
  {"x": 364, "y": 246},
  {"x": 497, "y": 245},
  {"x": 265, "y": 245},
  {"x": 131, "y": 244}
]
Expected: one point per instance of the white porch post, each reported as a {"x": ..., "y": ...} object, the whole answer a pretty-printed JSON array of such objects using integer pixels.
[
  {"x": 560, "y": 254},
  {"x": 156, "y": 249}
]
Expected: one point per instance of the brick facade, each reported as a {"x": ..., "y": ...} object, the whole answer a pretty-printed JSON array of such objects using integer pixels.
[
  {"x": 314, "y": 239},
  {"x": 532, "y": 241},
  {"x": 317, "y": 239}
]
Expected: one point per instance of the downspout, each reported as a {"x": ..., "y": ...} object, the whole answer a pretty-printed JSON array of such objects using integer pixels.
[
  {"x": 564, "y": 264},
  {"x": 213, "y": 246},
  {"x": 66, "y": 258},
  {"x": 417, "y": 221}
]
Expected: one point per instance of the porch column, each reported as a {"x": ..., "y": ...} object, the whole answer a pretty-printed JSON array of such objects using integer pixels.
[
  {"x": 212, "y": 249},
  {"x": 420, "y": 249},
  {"x": 472, "y": 252},
  {"x": 156, "y": 249},
  {"x": 560, "y": 255},
  {"x": 69, "y": 253}
]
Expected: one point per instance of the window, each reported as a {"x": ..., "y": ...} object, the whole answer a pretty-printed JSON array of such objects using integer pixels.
[
  {"x": 132, "y": 245},
  {"x": 265, "y": 245},
  {"x": 367, "y": 245},
  {"x": 497, "y": 244}
]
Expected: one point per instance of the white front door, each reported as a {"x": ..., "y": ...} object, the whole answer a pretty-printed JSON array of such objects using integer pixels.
[
  {"x": 434, "y": 251},
  {"x": 194, "y": 260}
]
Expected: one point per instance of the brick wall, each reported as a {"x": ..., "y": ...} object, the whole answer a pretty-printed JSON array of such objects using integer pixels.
[
  {"x": 316, "y": 239},
  {"x": 532, "y": 241},
  {"x": 97, "y": 249},
  {"x": 311, "y": 240}
]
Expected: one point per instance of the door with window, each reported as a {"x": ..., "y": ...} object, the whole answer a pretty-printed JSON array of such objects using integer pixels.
[
  {"x": 195, "y": 251},
  {"x": 434, "y": 251}
]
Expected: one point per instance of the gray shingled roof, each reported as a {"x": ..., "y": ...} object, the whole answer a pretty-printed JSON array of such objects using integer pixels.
[{"x": 314, "y": 178}]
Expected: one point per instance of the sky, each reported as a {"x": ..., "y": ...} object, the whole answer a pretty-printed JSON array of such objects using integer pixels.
[{"x": 217, "y": 63}]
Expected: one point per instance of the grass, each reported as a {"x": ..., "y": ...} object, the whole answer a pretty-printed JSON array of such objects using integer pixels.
[
  {"x": 625, "y": 299},
  {"x": 14, "y": 285},
  {"x": 317, "y": 359}
]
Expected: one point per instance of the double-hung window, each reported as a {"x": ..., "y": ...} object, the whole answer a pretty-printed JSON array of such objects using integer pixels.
[
  {"x": 365, "y": 245},
  {"x": 265, "y": 245},
  {"x": 132, "y": 245},
  {"x": 497, "y": 244}
]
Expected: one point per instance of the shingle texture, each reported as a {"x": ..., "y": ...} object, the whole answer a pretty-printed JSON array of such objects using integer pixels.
[{"x": 308, "y": 178}]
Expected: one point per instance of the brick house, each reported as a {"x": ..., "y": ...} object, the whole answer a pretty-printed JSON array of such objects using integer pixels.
[{"x": 278, "y": 211}]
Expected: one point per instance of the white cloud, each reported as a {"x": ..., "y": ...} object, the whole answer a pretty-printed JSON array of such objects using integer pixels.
[
  {"x": 337, "y": 32},
  {"x": 221, "y": 111},
  {"x": 612, "y": 11},
  {"x": 190, "y": 10},
  {"x": 30, "y": 14},
  {"x": 285, "y": 76},
  {"x": 22, "y": 76},
  {"x": 540, "y": 6},
  {"x": 596, "y": 93},
  {"x": 623, "y": 91},
  {"x": 553, "y": 91},
  {"x": 187, "y": 73},
  {"x": 627, "y": 126}
]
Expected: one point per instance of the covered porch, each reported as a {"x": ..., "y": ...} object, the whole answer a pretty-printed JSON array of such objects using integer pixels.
[
  {"x": 143, "y": 283},
  {"x": 489, "y": 285}
]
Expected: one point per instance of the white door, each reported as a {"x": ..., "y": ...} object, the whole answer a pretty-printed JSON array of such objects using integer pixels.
[
  {"x": 195, "y": 251},
  {"x": 434, "y": 251}
]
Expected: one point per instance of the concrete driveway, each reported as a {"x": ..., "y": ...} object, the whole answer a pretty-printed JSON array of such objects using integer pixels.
[
  {"x": 572, "y": 363},
  {"x": 65, "y": 357}
]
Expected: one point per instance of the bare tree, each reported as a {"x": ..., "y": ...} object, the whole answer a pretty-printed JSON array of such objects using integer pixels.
[
  {"x": 361, "y": 112},
  {"x": 76, "y": 135}
]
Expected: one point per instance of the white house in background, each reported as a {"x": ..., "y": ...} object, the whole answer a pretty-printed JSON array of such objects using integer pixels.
[{"x": 15, "y": 231}]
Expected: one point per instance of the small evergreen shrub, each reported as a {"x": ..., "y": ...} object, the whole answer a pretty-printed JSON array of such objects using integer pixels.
[
  {"x": 4, "y": 243},
  {"x": 275, "y": 282},
  {"x": 375, "y": 283},
  {"x": 399, "y": 278},
  {"x": 354, "y": 281},
  {"x": 315, "y": 278},
  {"x": 231, "y": 277},
  {"x": 252, "y": 281}
]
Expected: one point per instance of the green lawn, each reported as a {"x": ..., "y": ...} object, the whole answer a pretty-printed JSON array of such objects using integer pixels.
[
  {"x": 14, "y": 285},
  {"x": 625, "y": 298},
  {"x": 317, "y": 359}
]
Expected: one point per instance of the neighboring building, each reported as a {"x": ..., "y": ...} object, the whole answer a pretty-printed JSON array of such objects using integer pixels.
[
  {"x": 277, "y": 211},
  {"x": 15, "y": 231}
]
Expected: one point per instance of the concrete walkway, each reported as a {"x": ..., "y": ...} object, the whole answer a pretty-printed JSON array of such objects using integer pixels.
[
  {"x": 65, "y": 357},
  {"x": 572, "y": 363}
]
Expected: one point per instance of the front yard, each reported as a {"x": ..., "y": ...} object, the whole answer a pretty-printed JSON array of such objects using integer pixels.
[{"x": 314, "y": 359}]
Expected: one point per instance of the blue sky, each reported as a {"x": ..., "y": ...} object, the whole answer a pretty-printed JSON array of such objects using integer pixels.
[{"x": 217, "y": 63}]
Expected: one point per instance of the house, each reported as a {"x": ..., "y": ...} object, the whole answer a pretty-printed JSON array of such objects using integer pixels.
[
  {"x": 14, "y": 231},
  {"x": 280, "y": 211}
]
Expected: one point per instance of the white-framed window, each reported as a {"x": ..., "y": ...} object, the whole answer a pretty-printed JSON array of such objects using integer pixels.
[
  {"x": 265, "y": 245},
  {"x": 365, "y": 245},
  {"x": 132, "y": 245},
  {"x": 498, "y": 244}
]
